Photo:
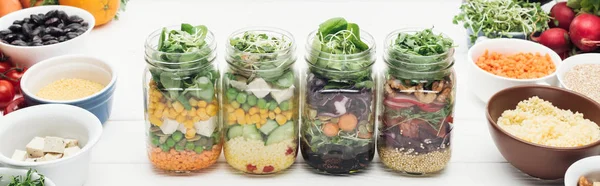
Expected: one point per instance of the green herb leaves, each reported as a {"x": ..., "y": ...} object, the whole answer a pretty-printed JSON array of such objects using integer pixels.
[
  {"x": 589, "y": 6},
  {"x": 422, "y": 43},
  {"x": 496, "y": 18},
  {"x": 28, "y": 180}
]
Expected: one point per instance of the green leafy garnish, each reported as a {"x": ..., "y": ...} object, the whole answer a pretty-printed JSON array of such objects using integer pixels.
[
  {"x": 588, "y": 6},
  {"x": 336, "y": 47},
  {"x": 261, "y": 55},
  {"x": 497, "y": 18},
  {"x": 422, "y": 43},
  {"x": 28, "y": 180}
]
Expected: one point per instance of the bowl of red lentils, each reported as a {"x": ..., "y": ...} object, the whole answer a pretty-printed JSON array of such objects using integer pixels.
[
  {"x": 581, "y": 73},
  {"x": 77, "y": 80}
]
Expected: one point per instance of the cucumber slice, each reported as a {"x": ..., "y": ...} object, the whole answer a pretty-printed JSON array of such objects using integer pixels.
[
  {"x": 282, "y": 133},
  {"x": 235, "y": 131},
  {"x": 251, "y": 133},
  {"x": 269, "y": 127}
]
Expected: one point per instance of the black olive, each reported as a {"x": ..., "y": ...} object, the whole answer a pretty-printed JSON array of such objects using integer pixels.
[
  {"x": 11, "y": 37},
  {"x": 74, "y": 25},
  {"x": 62, "y": 15},
  {"x": 48, "y": 37},
  {"x": 28, "y": 28},
  {"x": 50, "y": 42},
  {"x": 63, "y": 38},
  {"x": 18, "y": 22},
  {"x": 75, "y": 19},
  {"x": 18, "y": 43},
  {"x": 72, "y": 35},
  {"x": 15, "y": 28},
  {"x": 54, "y": 31},
  {"x": 51, "y": 14},
  {"x": 37, "y": 19},
  {"x": 36, "y": 39},
  {"x": 5, "y": 32},
  {"x": 52, "y": 22},
  {"x": 61, "y": 25}
]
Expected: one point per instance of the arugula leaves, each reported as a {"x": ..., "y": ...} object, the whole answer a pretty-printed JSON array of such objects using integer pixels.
[
  {"x": 498, "y": 18},
  {"x": 589, "y": 6},
  {"x": 183, "y": 66}
]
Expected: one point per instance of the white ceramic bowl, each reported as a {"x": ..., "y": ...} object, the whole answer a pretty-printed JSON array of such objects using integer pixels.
[
  {"x": 29, "y": 55},
  {"x": 7, "y": 174},
  {"x": 19, "y": 127},
  {"x": 569, "y": 63},
  {"x": 587, "y": 167},
  {"x": 485, "y": 84},
  {"x": 73, "y": 66}
]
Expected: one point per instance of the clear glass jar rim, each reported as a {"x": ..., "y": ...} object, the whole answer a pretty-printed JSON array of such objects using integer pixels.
[
  {"x": 211, "y": 44},
  {"x": 288, "y": 35},
  {"x": 449, "y": 67}
]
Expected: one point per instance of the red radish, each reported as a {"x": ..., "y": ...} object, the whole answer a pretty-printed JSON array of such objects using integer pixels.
[
  {"x": 561, "y": 14},
  {"x": 585, "y": 32},
  {"x": 556, "y": 39}
]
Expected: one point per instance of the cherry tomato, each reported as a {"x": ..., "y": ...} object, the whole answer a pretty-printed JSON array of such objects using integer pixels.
[
  {"x": 7, "y": 93},
  {"x": 14, "y": 76},
  {"x": 15, "y": 105},
  {"x": 4, "y": 66}
]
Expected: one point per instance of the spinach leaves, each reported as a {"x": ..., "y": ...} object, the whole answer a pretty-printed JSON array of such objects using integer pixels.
[
  {"x": 182, "y": 66},
  {"x": 336, "y": 55}
]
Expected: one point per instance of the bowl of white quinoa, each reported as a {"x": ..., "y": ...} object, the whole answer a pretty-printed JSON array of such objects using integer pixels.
[
  {"x": 581, "y": 73},
  {"x": 542, "y": 130}
]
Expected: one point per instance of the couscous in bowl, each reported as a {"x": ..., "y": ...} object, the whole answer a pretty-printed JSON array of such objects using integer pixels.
[
  {"x": 540, "y": 161},
  {"x": 70, "y": 67}
]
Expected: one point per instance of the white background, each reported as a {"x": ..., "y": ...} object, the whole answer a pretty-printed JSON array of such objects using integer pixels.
[{"x": 120, "y": 157}]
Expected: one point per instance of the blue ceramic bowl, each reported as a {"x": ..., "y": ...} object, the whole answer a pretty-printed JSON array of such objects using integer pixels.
[{"x": 72, "y": 66}]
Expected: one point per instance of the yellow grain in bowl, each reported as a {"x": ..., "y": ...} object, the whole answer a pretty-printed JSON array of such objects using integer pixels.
[
  {"x": 538, "y": 121},
  {"x": 69, "y": 89}
]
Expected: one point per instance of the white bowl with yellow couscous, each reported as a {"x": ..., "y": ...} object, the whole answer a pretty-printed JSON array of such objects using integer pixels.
[{"x": 78, "y": 80}]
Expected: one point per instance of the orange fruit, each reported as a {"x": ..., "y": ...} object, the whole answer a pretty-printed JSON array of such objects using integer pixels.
[{"x": 103, "y": 10}]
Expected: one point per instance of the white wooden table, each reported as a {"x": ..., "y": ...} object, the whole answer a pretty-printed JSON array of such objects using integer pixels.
[{"x": 120, "y": 157}]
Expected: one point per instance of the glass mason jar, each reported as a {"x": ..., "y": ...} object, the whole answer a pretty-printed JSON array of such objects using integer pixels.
[
  {"x": 181, "y": 92},
  {"x": 338, "y": 116},
  {"x": 418, "y": 107},
  {"x": 261, "y": 101}
]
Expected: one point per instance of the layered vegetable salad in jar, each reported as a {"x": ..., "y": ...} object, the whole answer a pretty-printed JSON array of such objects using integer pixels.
[
  {"x": 339, "y": 104},
  {"x": 181, "y": 99},
  {"x": 418, "y": 102},
  {"x": 260, "y": 101}
]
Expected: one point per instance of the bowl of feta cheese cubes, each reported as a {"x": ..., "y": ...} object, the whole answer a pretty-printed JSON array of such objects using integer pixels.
[{"x": 54, "y": 139}]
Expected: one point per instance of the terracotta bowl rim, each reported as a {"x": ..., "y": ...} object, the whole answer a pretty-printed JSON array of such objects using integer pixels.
[{"x": 563, "y": 91}]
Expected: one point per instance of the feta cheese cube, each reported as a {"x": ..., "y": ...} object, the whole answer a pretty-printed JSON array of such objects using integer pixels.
[
  {"x": 54, "y": 145},
  {"x": 52, "y": 156},
  {"x": 181, "y": 128},
  {"x": 34, "y": 159},
  {"x": 169, "y": 126},
  {"x": 71, "y": 142},
  {"x": 206, "y": 128},
  {"x": 259, "y": 87},
  {"x": 71, "y": 151},
  {"x": 281, "y": 95},
  {"x": 35, "y": 148},
  {"x": 19, "y": 155}
]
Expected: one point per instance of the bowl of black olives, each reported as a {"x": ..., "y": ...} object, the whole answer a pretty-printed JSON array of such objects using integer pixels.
[{"x": 38, "y": 33}]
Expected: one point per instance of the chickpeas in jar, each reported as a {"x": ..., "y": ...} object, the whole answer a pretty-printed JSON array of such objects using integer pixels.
[{"x": 181, "y": 88}]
